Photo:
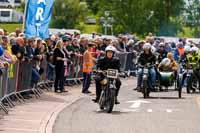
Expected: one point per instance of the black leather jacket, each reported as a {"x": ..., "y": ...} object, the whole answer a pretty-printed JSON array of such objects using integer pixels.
[
  {"x": 147, "y": 58},
  {"x": 106, "y": 63}
]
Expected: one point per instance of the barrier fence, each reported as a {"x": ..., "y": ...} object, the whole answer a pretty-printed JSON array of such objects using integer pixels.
[
  {"x": 17, "y": 80},
  {"x": 127, "y": 61}
]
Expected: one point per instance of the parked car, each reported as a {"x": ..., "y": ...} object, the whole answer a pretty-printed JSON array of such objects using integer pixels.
[
  {"x": 11, "y": 16},
  {"x": 90, "y": 20},
  {"x": 6, "y": 4},
  {"x": 10, "y": 3},
  {"x": 63, "y": 31},
  {"x": 16, "y": 3}
]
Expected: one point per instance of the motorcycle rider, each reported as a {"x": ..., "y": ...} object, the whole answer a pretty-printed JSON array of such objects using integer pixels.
[
  {"x": 196, "y": 61},
  {"x": 105, "y": 63},
  {"x": 191, "y": 58},
  {"x": 146, "y": 57},
  {"x": 162, "y": 53}
]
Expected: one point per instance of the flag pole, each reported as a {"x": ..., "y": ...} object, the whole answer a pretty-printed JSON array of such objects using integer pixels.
[{"x": 24, "y": 17}]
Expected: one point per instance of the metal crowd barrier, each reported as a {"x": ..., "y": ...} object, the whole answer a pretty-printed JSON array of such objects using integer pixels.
[
  {"x": 14, "y": 81},
  {"x": 127, "y": 62},
  {"x": 75, "y": 69},
  {"x": 3, "y": 88},
  {"x": 45, "y": 82}
]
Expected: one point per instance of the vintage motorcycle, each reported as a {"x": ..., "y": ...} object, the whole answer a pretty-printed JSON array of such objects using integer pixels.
[{"x": 107, "y": 98}]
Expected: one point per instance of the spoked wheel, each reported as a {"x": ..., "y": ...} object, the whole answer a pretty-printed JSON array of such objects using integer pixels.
[
  {"x": 180, "y": 92},
  {"x": 102, "y": 100},
  {"x": 189, "y": 84},
  {"x": 145, "y": 89},
  {"x": 178, "y": 86},
  {"x": 110, "y": 100}
]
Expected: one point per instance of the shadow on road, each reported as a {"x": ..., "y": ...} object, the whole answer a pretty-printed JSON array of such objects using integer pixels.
[
  {"x": 168, "y": 98},
  {"x": 113, "y": 112}
]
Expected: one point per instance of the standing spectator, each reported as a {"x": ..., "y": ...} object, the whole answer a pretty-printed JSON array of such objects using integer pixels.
[
  {"x": 59, "y": 58},
  {"x": 3, "y": 62},
  {"x": 19, "y": 49},
  {"x": 7, "y": 56},
  {"x": 75, "y": 45},
  {"x": 77, "y": 35},
  {"x": 139, "y": 46},
  {"x": 66, "y": 42},
  {"x": 17, "y": 31},
  {"x": 168, "y": 47},
  {"x": 105, "y": 44},
  {"x": 122, "y": 44},
  {"x": 1, "y": 32},
  {"x": 130, "y": 65},
  {"x": 88, "y": 63},
  {"x": 34, "y": 54},
  {"x": 179, "y": 52},
  {"x": 83, "y": 43},
  {"x": 50, "y": 66}
]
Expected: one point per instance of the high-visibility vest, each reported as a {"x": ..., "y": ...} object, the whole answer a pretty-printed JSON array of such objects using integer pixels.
[
  {"x": 193, "y": 60},
  {"x": 180, "y": 51},
  {"x": 87, "y": 62}
]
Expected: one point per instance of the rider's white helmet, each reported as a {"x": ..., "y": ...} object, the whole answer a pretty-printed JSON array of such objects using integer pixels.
[
  {"x": 165, "y": 62},
  {"x": 187, "y": 48},
  {"x": 111, "y": 48},
  {"x": 147, "y": 46},
  {"x": 194, "y": 49}
]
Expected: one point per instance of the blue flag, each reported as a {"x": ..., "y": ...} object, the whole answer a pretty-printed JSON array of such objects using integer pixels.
[{"x": 38, "y": 17}]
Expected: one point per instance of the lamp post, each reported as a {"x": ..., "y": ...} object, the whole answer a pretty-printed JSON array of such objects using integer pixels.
[
  {"x": 149, "y": 17},
  {"x": 107, "y": 22}
]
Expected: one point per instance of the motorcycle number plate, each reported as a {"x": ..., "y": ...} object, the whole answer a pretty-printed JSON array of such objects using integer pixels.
[
  {"x": 146, "y": 70},
  {"x": 112, "y": 73}
]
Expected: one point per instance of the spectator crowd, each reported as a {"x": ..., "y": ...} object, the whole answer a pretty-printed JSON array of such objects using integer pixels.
[{"x": 64, "y": 53}]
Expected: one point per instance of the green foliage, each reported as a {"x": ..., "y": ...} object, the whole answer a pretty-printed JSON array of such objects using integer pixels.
[
  {"x": 88, "y": 29},
  {"x": 93, "y": 5},
  {"x": 193, "y": 16},
  {"x": 135, "y": 15},
  {"x": 10, "y": 27},
  {"x": 67, "y": 13}
]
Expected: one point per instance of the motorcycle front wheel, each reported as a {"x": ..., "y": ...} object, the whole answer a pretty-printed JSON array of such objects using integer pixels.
[
  {"x": 102, "y": 100},
  {"x": 110, "y": 100},
  {"x": 145, "y": 89}
]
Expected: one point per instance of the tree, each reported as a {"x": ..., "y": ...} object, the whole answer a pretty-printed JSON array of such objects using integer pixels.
[
  {"x": 66, "y": 13},
  {"x": 142, "y": 16},
  {"x": 193, "y": 16},
  {"x": 93, "y": 6}
]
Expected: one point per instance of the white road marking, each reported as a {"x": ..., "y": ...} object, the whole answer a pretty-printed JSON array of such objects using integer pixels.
[
  {"x": 169, "y": 111},
  {"x": 20, "y": 129},
  {"x": 129, "y": 110},
  {"x": 25, "y": 120},
  {"x": 137, "y": 103},
  {"x": 150, "y": 110}
]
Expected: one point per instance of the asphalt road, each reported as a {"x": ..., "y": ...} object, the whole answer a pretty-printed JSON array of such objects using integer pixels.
[{"x": 162, "y": 113}]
